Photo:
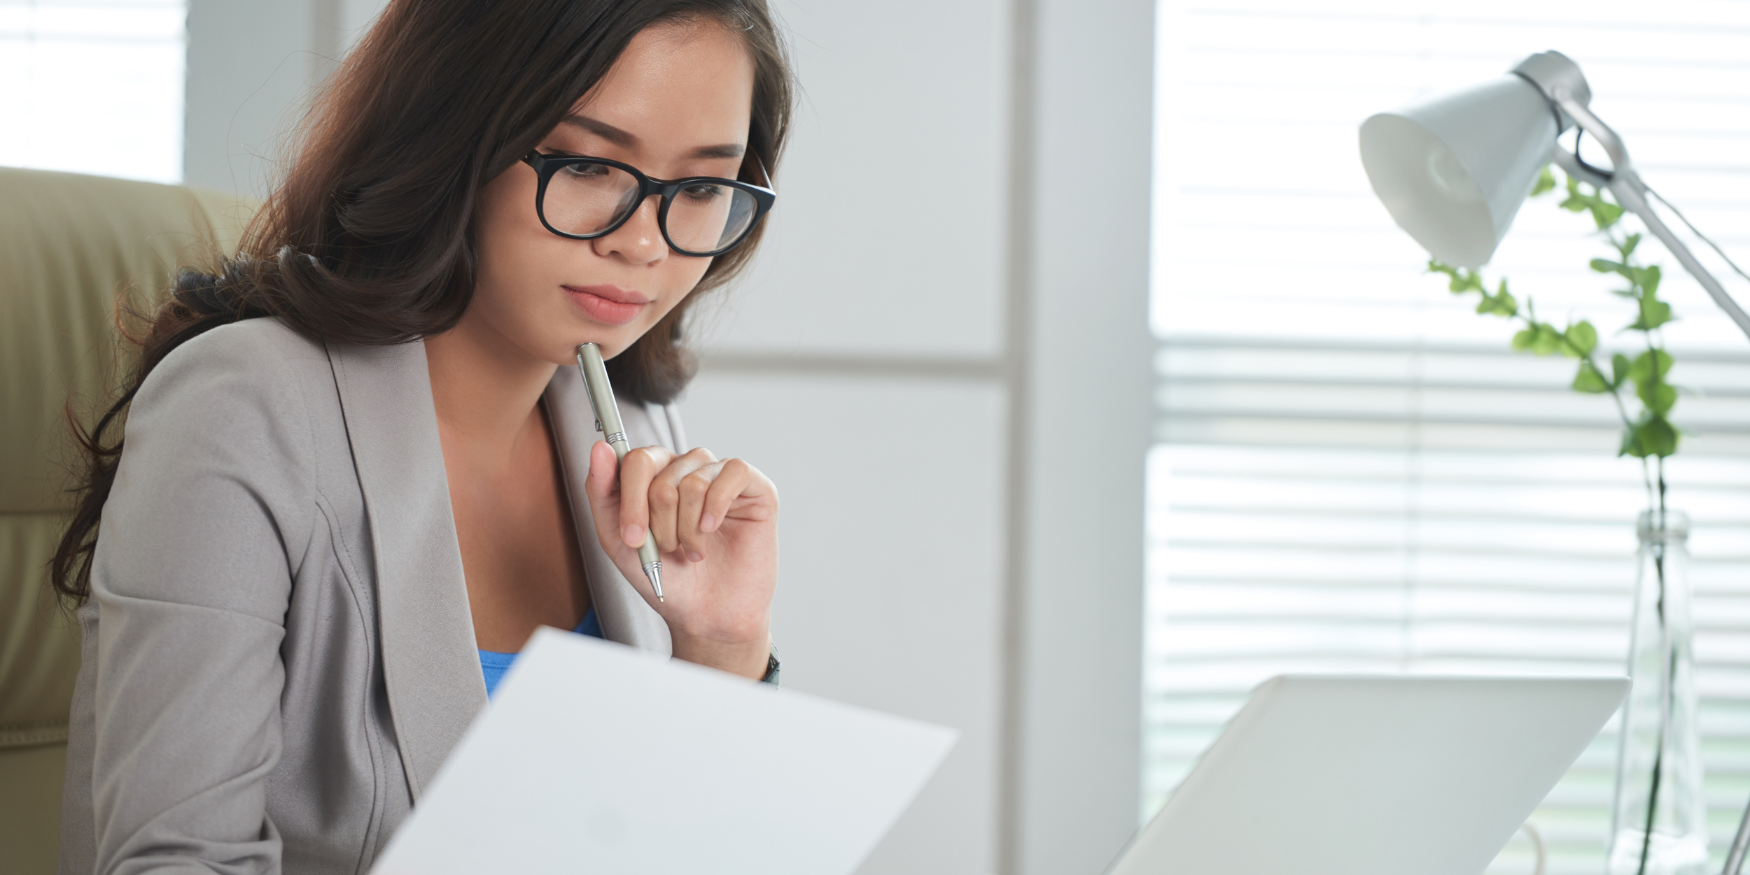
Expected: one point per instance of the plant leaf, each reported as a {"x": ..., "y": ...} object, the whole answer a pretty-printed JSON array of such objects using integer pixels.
[
  {"x": 1524, "y": 339},
  {"x": 1657, "y": 437},
  {"x": 1642, "y": 369},
  {"x": 1548, "y": 339},
  {"x": 1587, "y": 379},
  {"x": 1654, "y": 313},
  {"x": 1464, "y": 281},
  {"x": 1650, "y": 435},
  {"x": 1505, "y": 304},
  {"x": 1649, "y": 280},
  {"x": 1619, "y": 369},
  {"x": 1582, "y": 339},
  {"x": 1631, "y": 441},
  {"x": 1658, "y": 397}
]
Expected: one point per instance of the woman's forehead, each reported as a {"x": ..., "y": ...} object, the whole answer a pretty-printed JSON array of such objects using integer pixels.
[{"x": 680, "y": 87}]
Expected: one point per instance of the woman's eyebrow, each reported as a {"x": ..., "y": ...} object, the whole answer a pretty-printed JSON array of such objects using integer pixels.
[
  {"x": 626, "y": 140},
  {"x": 725, "y": 150},
  {"x": 602, "y": 129}
]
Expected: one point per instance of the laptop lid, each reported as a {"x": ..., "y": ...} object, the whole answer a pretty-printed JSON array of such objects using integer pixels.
[{"x": 1347, "y": 775}]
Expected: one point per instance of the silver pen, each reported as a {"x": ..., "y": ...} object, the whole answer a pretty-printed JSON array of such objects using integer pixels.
[{"x": 607, "y": 421}]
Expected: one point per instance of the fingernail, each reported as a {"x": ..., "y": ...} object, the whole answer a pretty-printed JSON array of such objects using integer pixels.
[
  {"x": 707, "y": 523},
  {"x": 634, "y": 535},
  {"x": 694, "y": 557}
]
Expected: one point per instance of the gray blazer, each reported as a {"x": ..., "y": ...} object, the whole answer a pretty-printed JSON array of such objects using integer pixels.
[{"x": 278, "y": 653}]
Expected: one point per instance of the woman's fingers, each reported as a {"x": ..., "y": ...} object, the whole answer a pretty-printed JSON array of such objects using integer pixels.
[
  {"x": 603, "y": 489},
  {"x": 710, "y": 495},
  {"x": 679, "y": 500},
  {"x": 732, "y": 481},
  {"x": 690, "y": 495},
  {"x": 666, "y": 520},
  {"x": 638, "y": 471}
]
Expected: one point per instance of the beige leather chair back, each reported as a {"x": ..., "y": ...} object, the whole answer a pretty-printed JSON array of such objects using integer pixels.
[{"x": 69, "y": 244}]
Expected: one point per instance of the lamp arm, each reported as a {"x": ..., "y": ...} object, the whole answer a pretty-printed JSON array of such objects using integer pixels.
[
  {"x": 1571, "y": 165},
  {"x": 1735, "y": 857},
  {"x": 1594, "y": 126},
  {"x": 1631, "y": 192}
]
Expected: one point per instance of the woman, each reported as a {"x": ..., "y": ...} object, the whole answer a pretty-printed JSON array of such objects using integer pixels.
[{"x": 360, "y": 468}]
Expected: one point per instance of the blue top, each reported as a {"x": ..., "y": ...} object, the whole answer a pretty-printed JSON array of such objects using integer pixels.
[{"x": 493, "y": 665}]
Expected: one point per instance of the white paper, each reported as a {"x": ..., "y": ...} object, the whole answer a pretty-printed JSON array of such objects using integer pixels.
[{"x": 595, "y": 757}]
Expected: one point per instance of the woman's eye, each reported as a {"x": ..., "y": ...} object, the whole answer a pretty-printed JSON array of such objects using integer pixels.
[
  {"x": 703, "y": 192},
  {"x": 585, "y": 171}
]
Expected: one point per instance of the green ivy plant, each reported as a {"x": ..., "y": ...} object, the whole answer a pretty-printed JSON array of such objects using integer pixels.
[{"x": 1648, "y": 433}]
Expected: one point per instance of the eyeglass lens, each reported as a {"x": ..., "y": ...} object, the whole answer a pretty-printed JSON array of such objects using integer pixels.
[{"x": 702, "y": 217}]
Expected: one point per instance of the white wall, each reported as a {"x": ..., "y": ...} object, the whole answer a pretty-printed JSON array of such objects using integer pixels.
[
  {"x": 1086, "y": 348},
  {"x": 251, "y": 65},
  {"x": 892, "y": 567},
  {"x": 941, "y": 358},
  {"x": 874, "y": 325}
]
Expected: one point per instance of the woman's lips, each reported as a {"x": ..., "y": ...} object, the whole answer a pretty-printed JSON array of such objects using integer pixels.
[{"x": 610, "y": 304}]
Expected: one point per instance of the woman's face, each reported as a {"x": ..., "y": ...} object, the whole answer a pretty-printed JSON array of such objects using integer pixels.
[{"x": 675, "y": 104}]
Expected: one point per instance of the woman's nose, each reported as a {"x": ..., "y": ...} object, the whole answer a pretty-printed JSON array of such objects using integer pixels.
[{"x": 639, "y": 241}]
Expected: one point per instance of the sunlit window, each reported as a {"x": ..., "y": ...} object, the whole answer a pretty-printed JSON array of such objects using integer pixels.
[
  {"x": 1353, "y": 472},
  {"x": 93, "y": 86}
]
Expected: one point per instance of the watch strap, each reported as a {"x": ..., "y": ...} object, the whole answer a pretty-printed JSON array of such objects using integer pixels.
[{"x": 771, "y": 668}]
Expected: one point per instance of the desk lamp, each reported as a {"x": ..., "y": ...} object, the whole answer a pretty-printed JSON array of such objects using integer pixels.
[{"x": 1453, "y": 169}]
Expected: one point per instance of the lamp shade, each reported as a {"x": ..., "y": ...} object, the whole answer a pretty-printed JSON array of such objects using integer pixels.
[{"x": 1453, "y": 168}]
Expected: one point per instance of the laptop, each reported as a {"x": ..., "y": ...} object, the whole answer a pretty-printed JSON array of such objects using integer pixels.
[{"x": 1354, "y": 775}]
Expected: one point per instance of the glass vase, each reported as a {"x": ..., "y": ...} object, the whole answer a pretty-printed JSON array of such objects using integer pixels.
[{"x": 1659, "y": 817}]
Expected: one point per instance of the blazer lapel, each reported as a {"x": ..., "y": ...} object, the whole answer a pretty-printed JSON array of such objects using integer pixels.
[
  {"x": 431, "y": 666},
  {"x": 624, "y": 614}
]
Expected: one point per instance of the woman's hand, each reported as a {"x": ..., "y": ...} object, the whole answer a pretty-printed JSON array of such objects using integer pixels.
[{"x": 716, "y": 527}]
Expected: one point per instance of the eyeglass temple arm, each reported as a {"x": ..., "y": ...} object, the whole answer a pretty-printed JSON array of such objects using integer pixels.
[{"x": 765, "y": 178}]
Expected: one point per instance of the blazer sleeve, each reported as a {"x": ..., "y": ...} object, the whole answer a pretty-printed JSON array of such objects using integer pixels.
[{"x": 200, "y": 540}]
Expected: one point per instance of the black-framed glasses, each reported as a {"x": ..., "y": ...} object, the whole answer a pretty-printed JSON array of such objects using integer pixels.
[{"x": 585, "y": 198}]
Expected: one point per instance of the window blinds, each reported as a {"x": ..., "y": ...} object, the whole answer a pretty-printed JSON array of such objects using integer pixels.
[
  {"x": 93, "y": 86},
  {"x": 1352, "y": 471}
]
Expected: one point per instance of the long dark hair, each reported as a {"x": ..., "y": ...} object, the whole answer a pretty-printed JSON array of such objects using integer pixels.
[{"x": 368, "y": 239}]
